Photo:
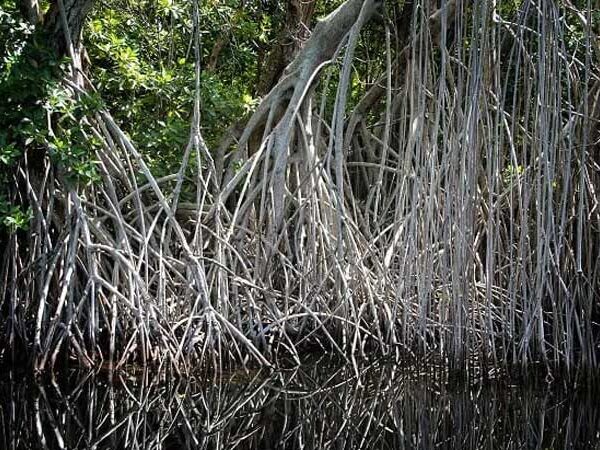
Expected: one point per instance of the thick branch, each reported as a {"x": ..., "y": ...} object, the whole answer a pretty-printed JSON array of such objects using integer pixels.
[
  {"x": 328, "y": 35},
  {"x": 289, "y": 92},
  {"x": 320, "y": 48},
  {"x": 292, "y": 36}
]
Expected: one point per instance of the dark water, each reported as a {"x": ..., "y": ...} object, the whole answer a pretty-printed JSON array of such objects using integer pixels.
[{"x": 320, "y": 407}]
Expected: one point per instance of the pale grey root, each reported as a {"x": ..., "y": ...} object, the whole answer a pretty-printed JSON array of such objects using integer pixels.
[{"x": 453, "y": 210}]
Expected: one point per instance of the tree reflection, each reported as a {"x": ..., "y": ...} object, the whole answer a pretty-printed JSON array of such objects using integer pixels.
[{"x": 378, "y": 406}]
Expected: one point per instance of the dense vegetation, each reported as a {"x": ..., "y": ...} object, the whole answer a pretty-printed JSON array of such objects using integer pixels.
[{"x": 201, "y": 184}]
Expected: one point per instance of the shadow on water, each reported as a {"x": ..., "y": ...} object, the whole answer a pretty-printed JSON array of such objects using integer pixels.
[{"x": 318, "y": 407}]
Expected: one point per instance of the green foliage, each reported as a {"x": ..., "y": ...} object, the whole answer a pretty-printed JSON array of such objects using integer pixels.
[
  {"x": 511, "y": 173},
  {"x": 14, "y": 218},
  {"x": 38, "y": 115},
  {"x": 13, "y": 32},
  {"x": 9, "y": 153},
  {"x": 142, "y": 61}
]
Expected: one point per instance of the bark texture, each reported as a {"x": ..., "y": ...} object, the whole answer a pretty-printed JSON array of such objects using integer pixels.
[
  {"x": 294, "y": 32},
  {"x": 64, "y": 24}
]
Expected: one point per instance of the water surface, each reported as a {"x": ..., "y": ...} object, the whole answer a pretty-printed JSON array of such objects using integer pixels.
[{"x": 319, "y": 407}]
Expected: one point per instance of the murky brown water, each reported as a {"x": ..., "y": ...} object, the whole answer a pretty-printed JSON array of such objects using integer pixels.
[{"x": 318, "y": 407}]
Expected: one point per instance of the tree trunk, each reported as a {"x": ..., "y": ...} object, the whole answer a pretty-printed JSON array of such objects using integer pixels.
[
  {"x": 64, "y": 25},
  {"x": 30, "y": 9},
  {"x": 294, "y": 32}
]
